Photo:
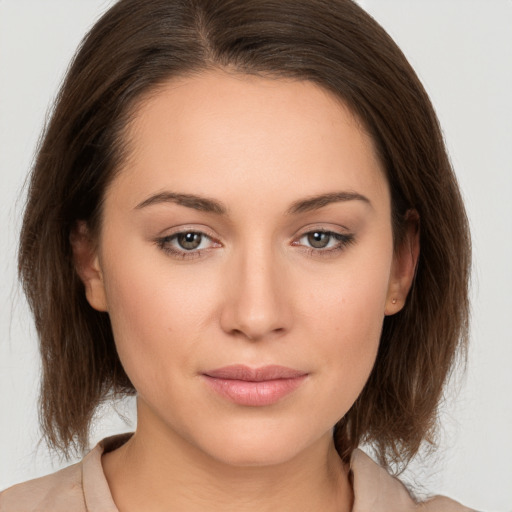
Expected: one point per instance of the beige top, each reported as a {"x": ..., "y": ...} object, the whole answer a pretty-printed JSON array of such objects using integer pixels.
[{"x": 83, "y": 487}]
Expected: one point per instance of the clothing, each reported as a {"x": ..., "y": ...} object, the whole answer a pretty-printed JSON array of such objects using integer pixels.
[{"x": 83, "y": 487}]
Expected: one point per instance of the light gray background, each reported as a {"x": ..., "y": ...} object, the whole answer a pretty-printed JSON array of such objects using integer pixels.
[{"x": 462, "y": 50}]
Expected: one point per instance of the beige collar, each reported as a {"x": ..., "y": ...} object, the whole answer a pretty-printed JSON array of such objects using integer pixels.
[{"x": 375, "y": 489}]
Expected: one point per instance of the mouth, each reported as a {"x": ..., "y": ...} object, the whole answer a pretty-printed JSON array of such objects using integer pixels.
[{"x": 254, "y": 387}]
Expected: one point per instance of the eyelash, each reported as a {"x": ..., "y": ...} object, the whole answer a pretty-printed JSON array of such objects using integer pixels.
[
  {"x": 343, "y": 241},
  {"x": 165, "y": 242}
]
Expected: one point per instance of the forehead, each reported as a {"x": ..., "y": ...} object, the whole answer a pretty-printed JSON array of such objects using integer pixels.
[{"x": 216, "y": 132}]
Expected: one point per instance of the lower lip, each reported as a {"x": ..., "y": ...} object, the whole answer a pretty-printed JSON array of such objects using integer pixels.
[{"x": 255, "y": 394}]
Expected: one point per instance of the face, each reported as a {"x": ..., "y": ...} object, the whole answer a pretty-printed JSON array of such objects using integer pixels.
[{"x": 246, "y": 262}]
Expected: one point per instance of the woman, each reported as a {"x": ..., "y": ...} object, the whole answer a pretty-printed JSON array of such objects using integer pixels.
[{"x": 243, "y": 212}]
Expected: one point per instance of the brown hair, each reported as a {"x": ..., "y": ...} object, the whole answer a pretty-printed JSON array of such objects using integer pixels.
[{"x": 138, "y": 45}]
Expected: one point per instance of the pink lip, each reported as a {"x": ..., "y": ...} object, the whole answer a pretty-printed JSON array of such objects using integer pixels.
[{"x": 254, "y": 386}]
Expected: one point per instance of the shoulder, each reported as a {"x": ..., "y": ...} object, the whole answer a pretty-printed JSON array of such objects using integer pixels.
[
  {"x": 442, "y": 504},
  {"x": 375, "y": 490},
  {"x": 59, "y": 492},
  {"x": 81, "y": 487}
]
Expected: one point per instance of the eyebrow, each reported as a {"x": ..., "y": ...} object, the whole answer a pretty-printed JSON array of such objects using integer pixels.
[
  {"x": 317, "y": 202},
  {"x": 203, "y": 204},
  {"x": 208, "y": 205}
]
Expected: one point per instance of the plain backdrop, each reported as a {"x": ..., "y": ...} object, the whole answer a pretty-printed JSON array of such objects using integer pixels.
[{"x": 462, "y": 51}]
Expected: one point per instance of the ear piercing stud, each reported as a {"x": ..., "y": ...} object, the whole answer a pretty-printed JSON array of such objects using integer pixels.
[{"x": 393, "y": 301}]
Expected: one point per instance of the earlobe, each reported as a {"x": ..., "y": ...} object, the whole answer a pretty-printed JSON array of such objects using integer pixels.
[
  {"x": 404, "y": 265},
  {"x": 87, "y": 265}
]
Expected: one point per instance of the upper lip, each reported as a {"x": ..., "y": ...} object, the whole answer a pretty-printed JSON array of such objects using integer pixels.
[{"x": 263, "y": 373}]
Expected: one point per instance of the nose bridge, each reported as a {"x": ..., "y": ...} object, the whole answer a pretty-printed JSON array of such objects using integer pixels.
[{"x": 256, "y": 306}]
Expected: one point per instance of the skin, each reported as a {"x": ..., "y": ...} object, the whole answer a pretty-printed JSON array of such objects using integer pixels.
[{"x": 255, "y": 293}]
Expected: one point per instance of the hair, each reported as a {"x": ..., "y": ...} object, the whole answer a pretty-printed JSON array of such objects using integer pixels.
[{"x": 135, "y": 47}]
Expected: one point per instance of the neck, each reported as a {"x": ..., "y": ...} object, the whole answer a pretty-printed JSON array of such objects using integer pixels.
[{"x": 158, "y": 470}]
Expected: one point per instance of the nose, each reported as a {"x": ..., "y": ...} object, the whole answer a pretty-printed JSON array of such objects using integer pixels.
[{"x": 256, "y": 304}]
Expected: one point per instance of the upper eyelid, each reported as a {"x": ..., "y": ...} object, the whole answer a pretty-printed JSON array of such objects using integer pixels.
[
  {"x": 324, "y": 227},
  {"x": 203, "y": 230},
  {"x": 341, "y": 231}
]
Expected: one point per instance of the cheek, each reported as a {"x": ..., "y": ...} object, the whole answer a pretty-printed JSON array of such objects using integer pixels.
[
  {"x": 350, "y": 345},
  {"x": 345, "y": 317},
  {"x": 156, "y": 316}
]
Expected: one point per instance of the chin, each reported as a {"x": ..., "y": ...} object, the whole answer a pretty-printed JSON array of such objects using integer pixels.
[{"x": 257, "y": 446}]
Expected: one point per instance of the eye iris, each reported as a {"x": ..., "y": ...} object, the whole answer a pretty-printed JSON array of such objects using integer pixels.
[
  {"x": 318, "y": 240},
  {"x": 189, "y": 241}
]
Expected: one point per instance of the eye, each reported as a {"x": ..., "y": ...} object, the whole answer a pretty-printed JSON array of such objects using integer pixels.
[
  {"x": 324, "y": 242},
  {"x": 189, "y": 241},
  {"x": 186, "y": 244},
  {"x": 319, "y": 239}
]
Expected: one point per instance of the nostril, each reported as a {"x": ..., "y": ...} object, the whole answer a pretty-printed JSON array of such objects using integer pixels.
[{"x": 252, "y": 334}]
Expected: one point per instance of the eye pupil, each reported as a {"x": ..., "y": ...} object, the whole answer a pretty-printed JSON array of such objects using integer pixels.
[
  {"x": 318, "y": 240},
  {"x": 189, "y": 240}
]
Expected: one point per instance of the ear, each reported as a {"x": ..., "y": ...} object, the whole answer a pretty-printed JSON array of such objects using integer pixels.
[
  {"x": 405, "y": 261},
  {"x": 87, "y": 265}
]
